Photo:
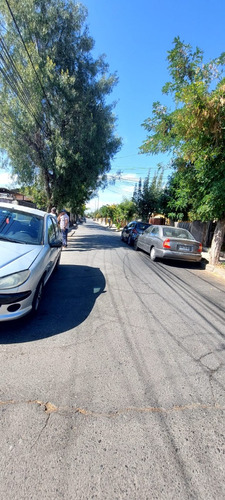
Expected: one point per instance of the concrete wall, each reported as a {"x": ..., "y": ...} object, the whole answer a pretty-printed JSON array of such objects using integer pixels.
[{"x": 202, "y": 231}]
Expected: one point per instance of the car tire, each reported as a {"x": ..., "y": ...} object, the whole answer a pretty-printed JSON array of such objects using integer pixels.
[
  {"x": 130, "y": 241},
  {"x": 38, "y": 296},
  {"x": 153, "y": 254}
]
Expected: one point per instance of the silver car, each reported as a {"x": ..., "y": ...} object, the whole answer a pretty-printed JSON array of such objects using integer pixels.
[
  {"x": 168, "y": 242},
  {"x": 30, "y": 249}
]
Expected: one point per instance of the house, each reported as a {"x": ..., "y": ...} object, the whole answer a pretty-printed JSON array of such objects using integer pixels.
[{"x": 13, "y": 195}]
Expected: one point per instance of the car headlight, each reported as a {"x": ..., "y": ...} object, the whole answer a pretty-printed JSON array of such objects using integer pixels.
[{"x": 14, "y": 280}]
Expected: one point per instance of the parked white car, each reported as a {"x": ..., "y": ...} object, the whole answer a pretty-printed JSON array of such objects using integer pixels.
[{"x": 30, "y": 249}]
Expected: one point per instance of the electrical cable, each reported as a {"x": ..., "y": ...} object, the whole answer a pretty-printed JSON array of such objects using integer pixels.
[
  {"x": 16, "y": 90},
  {"x": 27, "y": 52},
  {"x": 22, "y": 93}
]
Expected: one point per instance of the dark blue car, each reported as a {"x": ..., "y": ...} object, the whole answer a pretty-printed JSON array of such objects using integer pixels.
[{"x": 132, "y": 230}]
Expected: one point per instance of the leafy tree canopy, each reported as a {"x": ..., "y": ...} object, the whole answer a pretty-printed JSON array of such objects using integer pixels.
[
  {"x": 56, "y": 124},
  {"x": 194, "y": 132},
  {"x": 148, "y": 197},
  {"x": 119, "y": 214}
]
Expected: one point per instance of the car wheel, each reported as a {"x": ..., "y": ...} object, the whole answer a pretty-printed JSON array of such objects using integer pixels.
[
  {"x": 130, "y": 241},
  {"x": 153, "y": 254},
  {"x": 37, "y": 296}
]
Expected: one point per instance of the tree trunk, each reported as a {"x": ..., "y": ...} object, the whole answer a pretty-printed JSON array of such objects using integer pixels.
[
  {"x": 217, "y": 242},
  {"x": 47, "y": 187}
]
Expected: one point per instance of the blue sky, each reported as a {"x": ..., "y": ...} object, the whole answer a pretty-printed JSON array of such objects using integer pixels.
[{"x": 135, "y": 36}]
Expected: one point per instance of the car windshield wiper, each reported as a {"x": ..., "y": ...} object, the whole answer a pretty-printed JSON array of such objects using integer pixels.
[
  {"x": 5, "y": 238},
  {"x": 10, "y": 239}
]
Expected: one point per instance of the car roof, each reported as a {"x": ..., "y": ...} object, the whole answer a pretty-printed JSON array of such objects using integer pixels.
[
  {"x": 22, "y": 208},
  {"x": 138, "y": 222},
  {"x": 165, "y": 225}
]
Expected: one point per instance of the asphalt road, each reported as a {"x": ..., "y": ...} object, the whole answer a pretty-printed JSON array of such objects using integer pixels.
[{"x": 116, "y": 389}]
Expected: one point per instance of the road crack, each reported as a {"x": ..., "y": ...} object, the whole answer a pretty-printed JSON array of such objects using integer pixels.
[{"x": 50, "y": 408}]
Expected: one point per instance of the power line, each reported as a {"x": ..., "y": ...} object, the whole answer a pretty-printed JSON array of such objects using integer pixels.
[
  {"x": 128, "y": 156},
  {"x": 13, "y": 71},
  {"x": 29, "y": 57},
  {"x": 14, "y": 80}
]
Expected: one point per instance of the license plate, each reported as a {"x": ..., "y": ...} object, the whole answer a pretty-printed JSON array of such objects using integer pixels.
[{"x": 184, "y": 248}]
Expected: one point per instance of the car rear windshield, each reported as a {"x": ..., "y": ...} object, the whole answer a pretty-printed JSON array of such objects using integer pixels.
[
  {"x": 20, "y": 227},
  {"x": 142, "y": 226},
  {"x": 177, "y": 232}
]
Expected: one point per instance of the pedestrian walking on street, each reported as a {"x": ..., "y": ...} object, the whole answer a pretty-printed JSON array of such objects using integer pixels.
[{"x": 63, "y": 220}]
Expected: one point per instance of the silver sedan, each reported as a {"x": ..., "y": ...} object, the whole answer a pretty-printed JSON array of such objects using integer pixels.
[
  {"x": 30, "y": 248},
  {"x": 168, "y": 242}
]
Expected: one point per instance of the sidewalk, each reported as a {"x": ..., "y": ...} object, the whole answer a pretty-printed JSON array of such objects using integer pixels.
[{"x": 219, "y": 270}]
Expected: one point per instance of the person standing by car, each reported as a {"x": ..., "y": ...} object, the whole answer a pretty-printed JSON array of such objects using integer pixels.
[
  {"x": 63, "y": 220},
  {"x": 53, "y": 212}
]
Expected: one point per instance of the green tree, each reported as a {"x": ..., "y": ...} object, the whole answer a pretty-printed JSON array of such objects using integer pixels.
[
  {"x": 37, "y": 195},
  {"x": 194, "y": 132},
  {"x": 117, "y": 213},
  {"x": 150, "y": 196},
  {"x": 178, "y": 193},
  {"x": 137, "y": 195},
  {"x": 125, "y": 212},
  {"x": 56, "y": 124},
  {"x": 127, "y": 209},
  {"x": 103, "y": 211}
]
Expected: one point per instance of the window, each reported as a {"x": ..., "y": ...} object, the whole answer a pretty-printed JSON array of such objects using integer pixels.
[
  {"x": 176, "y": 232},
  {"x": 142, "y": 227},
  {"x": 52, "y": 234},
  {"x": 20, "y": 226},
  {"x": 155, "y": 231}
]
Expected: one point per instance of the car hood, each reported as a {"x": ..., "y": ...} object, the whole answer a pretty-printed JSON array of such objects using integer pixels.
[{"x": 15, "y": 257}]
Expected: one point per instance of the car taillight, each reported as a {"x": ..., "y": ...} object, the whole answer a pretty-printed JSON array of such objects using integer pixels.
[
  {"x": 135, "y": 231},
  {"x": 200, "y": 248},
  {"x": 166, "y": 243}
]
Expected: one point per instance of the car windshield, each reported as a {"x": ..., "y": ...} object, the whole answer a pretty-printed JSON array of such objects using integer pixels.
[
  {"x": 177, "y": 232},
  {"x": 20, "y": 227}
]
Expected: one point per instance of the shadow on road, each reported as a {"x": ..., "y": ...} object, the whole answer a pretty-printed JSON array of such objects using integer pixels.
[
  {"x": 101, "y": 241},
  {"x": 68, "y": 299},
  {"x": 183, "y": 264}
]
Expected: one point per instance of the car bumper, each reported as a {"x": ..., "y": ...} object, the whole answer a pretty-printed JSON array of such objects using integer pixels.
[
  {"x": 189, "y": 257},
  {"x": 15, "y": 305}
]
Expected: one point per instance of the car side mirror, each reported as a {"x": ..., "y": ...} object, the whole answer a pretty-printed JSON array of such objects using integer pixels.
[{"x": 55, "y": 244}]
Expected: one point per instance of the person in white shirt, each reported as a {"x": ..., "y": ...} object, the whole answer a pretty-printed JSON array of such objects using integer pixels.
[
  {"x": 53, "y": 212},
  {"x": 63, "y": 220}
]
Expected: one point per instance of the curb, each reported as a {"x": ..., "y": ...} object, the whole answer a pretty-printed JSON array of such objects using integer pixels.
[{"x": 215, "y": 270}]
